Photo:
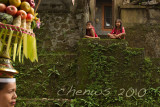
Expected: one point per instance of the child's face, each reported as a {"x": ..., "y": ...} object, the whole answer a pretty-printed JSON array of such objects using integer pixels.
[
  {"x": 89, "y": 25},
  {"x": 118, "y": 24}
]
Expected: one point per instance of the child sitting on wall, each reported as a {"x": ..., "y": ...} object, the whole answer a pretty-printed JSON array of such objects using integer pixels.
[
  {"x": 118, "y": 32},
  {"x": 90, "y": 31}
]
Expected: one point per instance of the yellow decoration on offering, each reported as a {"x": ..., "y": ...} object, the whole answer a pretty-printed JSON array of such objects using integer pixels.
[
  {"x": 17, "y": 40},
  {"x": 19, "y": 49},
  {"x": 2, "y": 32},
  {"x": 25, "y": 45},
  {"x": 15, "y": 46},
  {"x": 12, "y": 40},
  {"x": 9, "y": 40}
]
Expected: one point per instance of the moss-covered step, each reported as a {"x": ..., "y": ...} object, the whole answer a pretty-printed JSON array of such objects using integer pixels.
[
  {"x": 44, "y": 102},
  {"x": 111, "y": 57},
  {"x": 43, "y": 79},
  {"x": 101, "y": 72}
]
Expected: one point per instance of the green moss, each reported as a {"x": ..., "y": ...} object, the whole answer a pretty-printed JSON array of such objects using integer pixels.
[
  {"x": 43, "y": 102},
  {"x": 98, "y": 65},
  {"x": 115, "y": 66}
]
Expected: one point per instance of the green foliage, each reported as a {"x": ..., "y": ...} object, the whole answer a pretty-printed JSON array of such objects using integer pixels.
[
  {"x": 105, "y": 64},
  {"x": 108, "y": 68}
]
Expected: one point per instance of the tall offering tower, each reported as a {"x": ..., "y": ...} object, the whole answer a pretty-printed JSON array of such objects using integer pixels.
[{"x": 18, "y": 18}]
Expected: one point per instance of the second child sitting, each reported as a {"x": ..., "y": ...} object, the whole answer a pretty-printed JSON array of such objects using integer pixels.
[
  {"x": 118, "y": 32},
  {"x": 90, "y": 31}
]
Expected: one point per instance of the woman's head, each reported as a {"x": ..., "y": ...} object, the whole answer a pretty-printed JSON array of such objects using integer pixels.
[
  {"x": 118, "y": 23},
  {"x": 8, "y": 94}
]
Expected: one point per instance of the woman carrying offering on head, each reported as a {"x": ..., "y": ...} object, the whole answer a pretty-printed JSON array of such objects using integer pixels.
[
  {"x": 7, "y": 92},
  {"x": 7, "y": 84}
]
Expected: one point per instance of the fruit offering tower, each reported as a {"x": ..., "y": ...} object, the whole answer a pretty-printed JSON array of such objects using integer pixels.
[{"x": 18, "y": 18}]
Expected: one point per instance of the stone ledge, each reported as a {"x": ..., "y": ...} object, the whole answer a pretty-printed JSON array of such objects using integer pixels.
[
  {"x": 129, "y": 6},
  {"x": 43, "y": 99},
  {"x": 132, "y": 7}
]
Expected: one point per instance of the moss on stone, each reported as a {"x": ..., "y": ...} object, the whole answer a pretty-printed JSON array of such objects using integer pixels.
[{"x": 95, "y": 65}]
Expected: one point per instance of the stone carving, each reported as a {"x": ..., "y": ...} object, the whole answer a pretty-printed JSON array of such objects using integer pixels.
[
  {"x": 152, "y": 2},
  {"x": 126, "y": 2},
  {"x": 138, "y": 2},
  {"x": 135, "y": 2}
]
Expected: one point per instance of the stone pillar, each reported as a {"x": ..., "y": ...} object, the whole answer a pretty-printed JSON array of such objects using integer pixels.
[{"x": 92, "y": 11}]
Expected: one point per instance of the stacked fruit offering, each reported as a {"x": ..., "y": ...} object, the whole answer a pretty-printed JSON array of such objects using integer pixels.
[
  {"x": 18, "y": 12},
  {"x": 17, "y": 20}
]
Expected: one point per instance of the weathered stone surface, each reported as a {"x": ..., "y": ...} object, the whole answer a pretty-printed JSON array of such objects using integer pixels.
[
  {"x": 145, "y": 36},
  {"x": 153, "y": 44},
  {"x": 154, "y": 14},
  {"x": 134, "y": 15},
  {"x": 97, "y": 64},
  {"x": 126, "y": 2},
  {"x": 152, "y": 2},
  {"x": 62, "y": 22},
  {"x": 63, "y": 25}
]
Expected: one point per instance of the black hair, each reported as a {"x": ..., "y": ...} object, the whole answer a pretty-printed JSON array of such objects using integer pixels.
[
  {"x": 89, "y": 22},
  {"x": 2, "y": 85},
  {"x": 118, "y": 20}
]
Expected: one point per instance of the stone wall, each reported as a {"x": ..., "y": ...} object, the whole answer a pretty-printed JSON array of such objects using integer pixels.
[
  {"x": 62, "y": 23},
  {"x": 142, "y": 28},
  {"x": 154, "y": 15},
  {"x": 136, "y": 14},
  {"x": 145, "y": 36},
  {"x": 117, "y": 4}
]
